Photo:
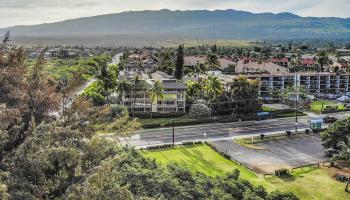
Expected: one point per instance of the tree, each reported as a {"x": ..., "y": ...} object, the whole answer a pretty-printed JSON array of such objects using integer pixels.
[
  {"x": 244, "y": 93},
  {"x": 123, "y": 86},
  {"x": 108, "y": 79},
  {"x": 28, "y": 97},
  {"x": 296, "y": 96},
  {"x": 156, "y": 92},
  {"x": 179, "y": 62},
  {"x": 344, "y": 152},
  {"x": 42, "y": 92},
  {"x": 95, "y": 92},
  {"x": 166, "y": 61},
  {"x": 137, "y": 85},
  {"x": 323, "y": 61},
  {"x": 336, "y": 133},
  {"x": 214, "y": 49},
  {"x": 200, "y": 109},
  {"x": 212, "y": 61},
  {"x": 213, "y": 87},
  {"x": 193, "y": 91}
]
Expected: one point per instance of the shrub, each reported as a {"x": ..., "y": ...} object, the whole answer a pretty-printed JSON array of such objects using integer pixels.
[
  {"x": 159, "y": 115},
  {"x": 192, "y": 143},
  {"x": 281, "y": 172},
  {"x": 278, "y": 195},
  {"x": 200, "y": 110},
  {"x": 118, "y": 110},
  {"x": 152, "y": 125},
  {"x": 289, "y": 133},
  {"x": 163, "y": 146},
  {"x": 94, "y": 92},
  {"x": 262, "y": 136},
  {"x": 200, "y": 101}
]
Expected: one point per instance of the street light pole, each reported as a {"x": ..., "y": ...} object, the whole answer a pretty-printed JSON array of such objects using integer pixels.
[
  {"x": 296, "y": 117},
  {"x": 173, "y": 133},
  {"x": 296, "y": 103}
]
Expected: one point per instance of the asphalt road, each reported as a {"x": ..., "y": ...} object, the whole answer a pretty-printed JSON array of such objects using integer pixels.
[{"x": 218, "y": 131}]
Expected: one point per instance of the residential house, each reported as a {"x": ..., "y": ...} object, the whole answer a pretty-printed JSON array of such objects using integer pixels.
[{"x": 174, "y": 96}]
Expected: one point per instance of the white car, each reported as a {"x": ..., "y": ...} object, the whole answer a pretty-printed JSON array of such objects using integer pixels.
[{"x": 343, "y": 98}]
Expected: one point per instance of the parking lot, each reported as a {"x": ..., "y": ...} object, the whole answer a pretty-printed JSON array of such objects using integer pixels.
[{"x": 288, "y": 153}]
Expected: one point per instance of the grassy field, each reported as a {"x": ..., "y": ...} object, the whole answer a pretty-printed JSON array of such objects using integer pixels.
[
  {"x": 315, "y": 183},
  {"x": 316, "y": 106},
  {"x": 267, "y": 109},
  {"x": 199, "y": 158}
]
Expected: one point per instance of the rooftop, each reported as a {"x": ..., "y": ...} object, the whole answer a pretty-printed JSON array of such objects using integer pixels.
[{"x": 173, "y": 84}]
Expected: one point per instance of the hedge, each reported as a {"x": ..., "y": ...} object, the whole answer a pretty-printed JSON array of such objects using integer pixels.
[
  {"x": 159, "y": 115},
  {"x": 191, "y": 143},
  {"x": 163, "y": 146}
]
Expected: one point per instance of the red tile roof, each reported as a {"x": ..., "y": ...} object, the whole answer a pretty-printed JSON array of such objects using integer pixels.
[{"x": 307, "y": 61}]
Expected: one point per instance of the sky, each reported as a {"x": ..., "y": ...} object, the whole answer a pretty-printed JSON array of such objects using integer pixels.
[{"x": 27, "y": 12}]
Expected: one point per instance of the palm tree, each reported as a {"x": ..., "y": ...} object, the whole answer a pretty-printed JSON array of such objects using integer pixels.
[
  {"x": 323, "y": 60},
  {"x": 156, "y": 91},
  {"x": 137, "y": 85},
  {"x": 213, "y": 61},
  {"x": 108, "y": 78},
  {"x": 123, "y": 86},
  {"x": 213, "y": 87}
]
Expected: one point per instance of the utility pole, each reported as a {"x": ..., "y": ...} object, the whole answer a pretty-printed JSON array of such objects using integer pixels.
[
  {"x": 296, "y": 103},
  {"x": 173, "y": 133}
]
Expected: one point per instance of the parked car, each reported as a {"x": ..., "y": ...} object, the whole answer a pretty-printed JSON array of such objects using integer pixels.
[
  {"x": 343, "y": 98},
  {"x": 330, "y": 152},
  {"x": 332, "y": 96},
  {"x": 329, "y": 120},
  {"x": 320, "y": 95}
]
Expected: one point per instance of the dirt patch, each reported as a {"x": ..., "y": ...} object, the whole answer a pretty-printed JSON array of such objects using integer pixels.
[
  {"x": 335, "y": 171},
  {"x": 269, "y": 169}
]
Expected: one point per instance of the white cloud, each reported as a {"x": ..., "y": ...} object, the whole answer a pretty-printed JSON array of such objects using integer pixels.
[{"x": 15, "y": 12}]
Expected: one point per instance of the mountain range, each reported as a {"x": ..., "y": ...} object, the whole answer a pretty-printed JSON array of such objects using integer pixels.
[{"x": 203, "y": 24}]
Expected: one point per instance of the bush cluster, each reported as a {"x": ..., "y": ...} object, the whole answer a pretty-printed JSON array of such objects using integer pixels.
[
  {"x": 281, "y": 172},
  {"x": 163, "y": 146}
]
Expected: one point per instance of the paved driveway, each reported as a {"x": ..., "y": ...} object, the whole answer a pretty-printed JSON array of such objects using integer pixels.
[{"x": 287, "y": 153}]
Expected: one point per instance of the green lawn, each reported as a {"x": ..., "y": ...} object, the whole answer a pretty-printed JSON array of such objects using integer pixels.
[
  {"x": 316, "y": 106},
  {"x": 312, "y": 184},
  {"x": 198, "y": 158},
  {"x": 267, "y": 109}
]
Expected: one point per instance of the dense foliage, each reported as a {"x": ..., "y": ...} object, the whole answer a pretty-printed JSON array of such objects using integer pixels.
[
  {"x": 241, "y": 98},
  {"x": 95, "y": 93},
  {"x": 337, "y": 137}
]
